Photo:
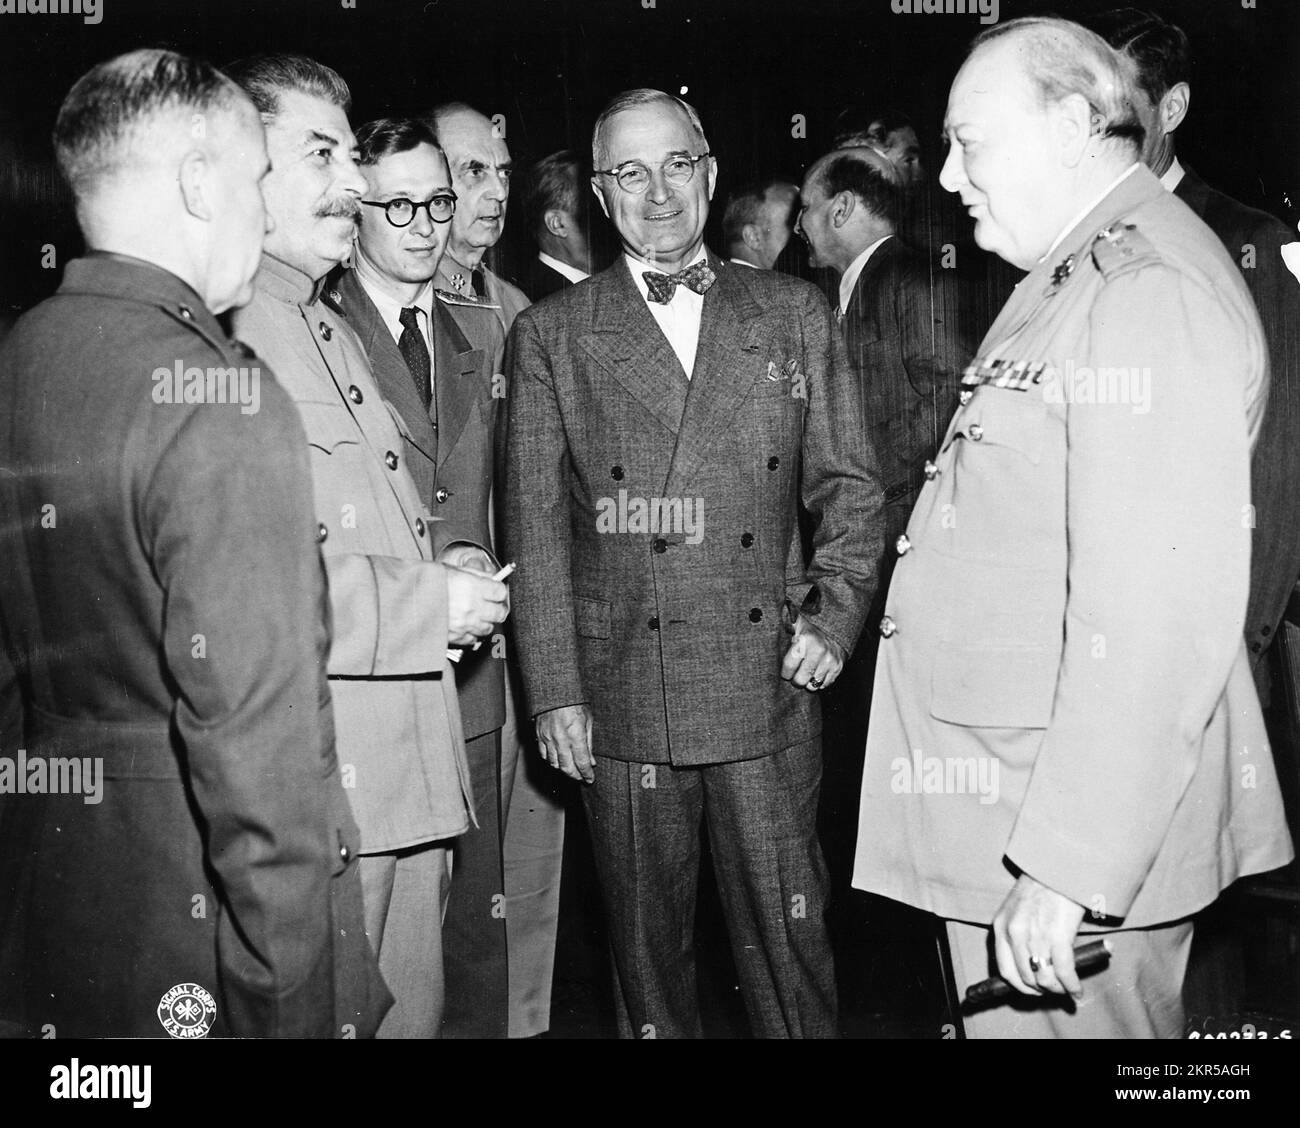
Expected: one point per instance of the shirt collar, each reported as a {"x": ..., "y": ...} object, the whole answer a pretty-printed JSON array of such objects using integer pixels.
[
  {"x": 287, "y": 283},
  {"x": 742, "y": 262},
  {"x": 572, "y": 273},
  {"x": 390, "y": 309},
  {"x": 638, "y": 266},
  {"x": 854, "y": 272},
  {"x": 1173, "y": 175},
  {"x": 1083, "y": 212}
]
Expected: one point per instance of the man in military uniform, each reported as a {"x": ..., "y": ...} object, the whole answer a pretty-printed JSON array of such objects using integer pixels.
[
  {"x": 163, "y": 601},
  {"x": 523, "y": 866},
  {"x": 396, "y": 609},
  {"x": 1064, "y": 733}
]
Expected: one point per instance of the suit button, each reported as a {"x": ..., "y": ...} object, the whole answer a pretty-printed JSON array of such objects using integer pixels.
[
  {"x": 965, "y": 397},
  {"x": 931, "y": 471},
  {"x": 616, "y": 472},
  {"x": 773, "y": 462},
  {"x": 321, "y": 533},
  {"x": 1266, "y": 630},
  {"x": 354, "y": 394},
  {"x": 903, "y": 545},
  {"x": 653, "y": 624},
  {"x": 755, "y": 615},
  {"x": 441, "y": 494},
  {"x": 390, "y": 459},
  {"x": 976, "y": 432},
  {"x": 186, "y": 313},
  {"x": 660, "y": 545},
  {"x": 325, "y": 331},
  {"x": 419, "y": 526},
  {"x": 345, "y": 853},
  {"x": 1255, "y": 648},
  {"x": 888, "y": 628},
  {"x": 746, "y": 540}
]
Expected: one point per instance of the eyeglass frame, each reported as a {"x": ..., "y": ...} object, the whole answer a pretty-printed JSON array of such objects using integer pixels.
[
  {"x": 415, "y": 208},
  {"x": 617, "y": 169}
]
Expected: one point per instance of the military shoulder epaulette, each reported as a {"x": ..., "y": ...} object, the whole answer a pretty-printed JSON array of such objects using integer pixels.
[
  {"x": 448, "y": 297},
  {"x": 1121, "y": 247}
]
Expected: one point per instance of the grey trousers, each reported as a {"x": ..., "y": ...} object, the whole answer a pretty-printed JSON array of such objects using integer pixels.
[
  {"x": 405, "y": 897},
  {"x": 761, "y": 817}
]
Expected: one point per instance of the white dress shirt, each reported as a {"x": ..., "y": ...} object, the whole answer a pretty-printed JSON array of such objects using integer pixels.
[
  {"x": 1173, "y": 175},
  {"x": 680, "y": 318},
  {"x": 850, "y": 280},
  {"x": 742, "y": 262},
  {"x": 572, "y": 273},
  {"x": 390, "y": 309}
]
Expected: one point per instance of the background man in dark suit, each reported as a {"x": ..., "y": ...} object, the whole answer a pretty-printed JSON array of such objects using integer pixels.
[
  {"x": 557, "y": 210},
  {"x": 442, "y": 387},
  {"x": 164, "y": 605},
  {"x": 907, "y": 357},
  {"x": 758, "y": 222},
  {"x": 1160, "y": 55},
  {"x": 662, "y": 428}
]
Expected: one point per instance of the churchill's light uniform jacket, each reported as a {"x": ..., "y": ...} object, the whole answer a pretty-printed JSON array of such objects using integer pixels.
[{"x": 1063, "y": 685}]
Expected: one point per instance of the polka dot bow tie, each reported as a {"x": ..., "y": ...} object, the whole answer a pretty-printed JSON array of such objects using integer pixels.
[{"x": 662, "y": 286}]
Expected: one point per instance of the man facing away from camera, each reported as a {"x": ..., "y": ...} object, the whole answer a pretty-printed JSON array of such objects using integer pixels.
[{"x": 163, "y": 602}]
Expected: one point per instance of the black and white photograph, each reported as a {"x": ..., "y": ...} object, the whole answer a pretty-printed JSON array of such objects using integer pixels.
[{"x": 629, "y": 520}]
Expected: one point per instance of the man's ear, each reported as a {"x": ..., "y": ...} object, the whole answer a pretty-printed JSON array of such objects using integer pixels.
[
  {"x": 556, "y": 222},
  {"x": 193, "y": 180},
  {"x": 1074, "y": 125},
  {"x": 595, "y": 187},
  {"x": 713, "y": 174},
  {"x": 1174, "y": 105},
  {"x": 842, "y": 208}
]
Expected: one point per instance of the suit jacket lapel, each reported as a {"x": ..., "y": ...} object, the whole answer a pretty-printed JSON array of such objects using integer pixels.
[
  {"x": 456, "y": 367},
  {"x": 626, "y": 341},
  {"x": 387, "y": 363},
  {"x": 726, "y": 365}
]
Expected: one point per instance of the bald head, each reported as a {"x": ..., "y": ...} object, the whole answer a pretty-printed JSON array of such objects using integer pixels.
[
  {"x": 164, "y": 155},
  {"x": 850, "y": 199},
  {"x": 481, "y": 169}
]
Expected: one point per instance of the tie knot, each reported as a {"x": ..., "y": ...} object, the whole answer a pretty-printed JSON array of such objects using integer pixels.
[
  {"x": 697, "y": 277},
  {"x": 408, "y": 318}
]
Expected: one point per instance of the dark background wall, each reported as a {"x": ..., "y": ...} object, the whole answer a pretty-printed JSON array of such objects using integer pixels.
[{"x": 548, "y": 66}]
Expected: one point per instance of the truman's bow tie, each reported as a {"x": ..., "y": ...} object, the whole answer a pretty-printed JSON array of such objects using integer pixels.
[{"x": 698, "y": 277}]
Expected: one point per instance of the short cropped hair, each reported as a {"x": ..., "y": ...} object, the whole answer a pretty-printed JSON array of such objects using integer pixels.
[
  {"x": 113, "y": 100},
  {"x": 266, "y": 77},
  {"x": 386, "y": 136},
  {"x": 553, "y": 182},
  {"x": 846, "y": 171},
  {"x": 443, "y": 110},
  {"x": 1066, "y": 58},
  {"x": 642, "y": 96},
  {"x": 1160, "y": 50},
  {"x": 746, "y": 206}
]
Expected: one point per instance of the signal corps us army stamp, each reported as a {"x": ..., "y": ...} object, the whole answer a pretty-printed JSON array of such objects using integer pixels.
[{"x": 187, "y": 1011}]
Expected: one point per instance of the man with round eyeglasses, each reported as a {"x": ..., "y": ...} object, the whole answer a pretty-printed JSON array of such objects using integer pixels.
[{"x": 672, "y": 664}]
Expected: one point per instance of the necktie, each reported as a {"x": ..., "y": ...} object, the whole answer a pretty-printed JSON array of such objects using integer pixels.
[
  {"x": 479, "y": 282},
  {"x": 662, "y": 286},
  {"x": 416, "y": 354}
]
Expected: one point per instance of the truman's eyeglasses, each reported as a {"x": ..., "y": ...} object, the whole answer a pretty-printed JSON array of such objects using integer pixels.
[
  {"x": 634, "y": 176},
  {"x": 401, "y": 211}
]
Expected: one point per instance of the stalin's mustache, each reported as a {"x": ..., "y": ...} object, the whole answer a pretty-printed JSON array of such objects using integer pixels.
[{"x": 345, "y": 207}]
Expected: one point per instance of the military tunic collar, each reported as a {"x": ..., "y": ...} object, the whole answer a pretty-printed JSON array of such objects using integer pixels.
[
  {"x": 287, "y": 283},
  {"x": 125, "y": 276}
]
